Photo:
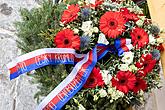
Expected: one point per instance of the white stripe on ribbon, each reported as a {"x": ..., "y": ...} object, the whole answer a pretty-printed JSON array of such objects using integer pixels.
[
  {"x": 130, "y": 46},
  {"x": 40, "y": 52},
  {"x": 128, "y": 41},
  {"x": 63, "y": 84}
]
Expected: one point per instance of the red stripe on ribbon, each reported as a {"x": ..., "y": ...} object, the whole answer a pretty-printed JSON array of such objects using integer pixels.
[
  {"x": 123, "y": 41},
  {"x": 125, "y": 48},
  {"x": 38, "y": 58}
]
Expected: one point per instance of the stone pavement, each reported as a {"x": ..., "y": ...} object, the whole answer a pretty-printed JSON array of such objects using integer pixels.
[{"x": 18, "y": 93}]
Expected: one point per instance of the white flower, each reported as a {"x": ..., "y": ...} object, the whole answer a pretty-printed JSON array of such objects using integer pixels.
[
  {"x": 142, "y": 17},
  {"x": 87, "y": 27},
  {"x": 128, "y": 57},
  {"x": 81, "y": 107},
  {"x": 106, "y": 76},
  {"x": 140, "y": 23},
  {"x": 76, "y": 31},
  {"x": 115, "y": 94},
  {"x": 152, "y": 40},
  {"x": 95, "y": 30},
  {"x": 132, "y": 68},
  {"x": 80, "y": 2},
  {"x": 95, "y": 98},
  {"x": 123, "y": 67},
  {"x": 141, "y": 92},
  {"x": 159, "y": 40},
  {"x": 61, "y": 24},
  {"x": 102, "y": 93},
  {"x": 102, "y": 39},
  {"x": 68, "y": 26},
  {"x": 90, "y": 1}
]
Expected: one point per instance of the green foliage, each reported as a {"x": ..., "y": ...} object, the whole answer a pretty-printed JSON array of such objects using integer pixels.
[
  {"x": 36, "y": 21},
  {"x": 35, "y": 31}
]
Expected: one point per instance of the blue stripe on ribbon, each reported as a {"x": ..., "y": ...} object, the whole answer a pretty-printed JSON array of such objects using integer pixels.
[
  {"x": 117, "y": 43},
  {"x": 87, "y": 72},
  {"x": 106, "y": 48},
  {"x": 36, "y": 66},
  {"x": 104, "y": 52},
  {"x": 120, "y": 51}
]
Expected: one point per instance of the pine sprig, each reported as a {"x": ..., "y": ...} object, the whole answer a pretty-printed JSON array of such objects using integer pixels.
[{"x": 35, "y": 32}]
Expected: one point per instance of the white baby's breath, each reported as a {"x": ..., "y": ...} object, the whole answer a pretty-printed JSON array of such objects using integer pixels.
[
  {"x": 132, "y": 68},
  {"x": 140, "y": 23},
  {"x": 123, "y": 67},
  {"x": 102, "y": 93},
  {"x": 115, "y": 94},
  {"x": 106, "y": 76},
  {"x": 95, "y": 30},
  {"x": 95, "y": 98},
  {"x": 90, "y": 1}
]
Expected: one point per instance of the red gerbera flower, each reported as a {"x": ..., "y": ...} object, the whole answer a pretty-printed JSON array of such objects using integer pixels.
[
  {"x": 70, "y": 14},
  {"x": 128, "y": 15},
  {"x": 139, "y": 85},
  {"x": 67, "y": 39},
  {"x": 112, "y": 24},
  {"x": 140, "y": 37},
  {"x": 124, "y": 81},
  {"x": 147, "y": 63},
  {"x": 95, "y": 79}
]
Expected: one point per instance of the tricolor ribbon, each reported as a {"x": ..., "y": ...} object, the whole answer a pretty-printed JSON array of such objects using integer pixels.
[
  {"x": 123, "y": 45},
  {"x": 53, "y": 56}
]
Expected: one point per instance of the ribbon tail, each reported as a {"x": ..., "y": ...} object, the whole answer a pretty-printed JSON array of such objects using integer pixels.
[{"x": 71, "y": 84}]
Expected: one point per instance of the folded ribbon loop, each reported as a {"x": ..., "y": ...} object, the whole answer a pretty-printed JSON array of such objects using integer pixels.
[{"x": 123, "y": 45}]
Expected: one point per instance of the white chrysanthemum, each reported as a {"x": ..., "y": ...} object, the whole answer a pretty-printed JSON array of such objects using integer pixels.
[
  {"x": 128, "y": 57},
  {"x": 102, "y": 39},
  {"x": 87, "y": 28},
  {"x": 102, "y": 93},
  {"x": 106, "y": 76},
  {"x": 123, "y": 67},
  {"x": 152, "y": 40}
]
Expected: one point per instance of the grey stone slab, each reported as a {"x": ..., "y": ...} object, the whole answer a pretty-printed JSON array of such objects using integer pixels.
[{"x": 17, "y": 94}]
